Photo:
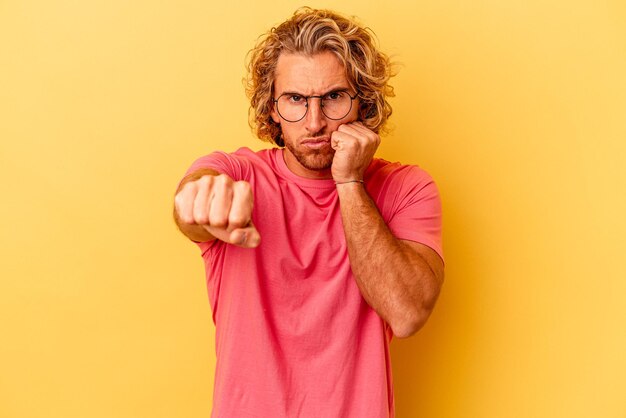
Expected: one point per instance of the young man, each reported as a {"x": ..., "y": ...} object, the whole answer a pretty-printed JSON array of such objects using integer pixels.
[{"x": 316, "y": 252}]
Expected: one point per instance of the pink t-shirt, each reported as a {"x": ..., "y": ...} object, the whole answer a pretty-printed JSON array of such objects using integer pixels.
[{"x": 294, "y": 337}]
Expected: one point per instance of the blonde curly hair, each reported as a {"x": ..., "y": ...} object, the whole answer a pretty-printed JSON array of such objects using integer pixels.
[{"x": 310, "y": 31}]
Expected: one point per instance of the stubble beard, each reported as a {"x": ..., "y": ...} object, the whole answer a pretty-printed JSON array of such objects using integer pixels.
[{"x": 313, "y": 159}]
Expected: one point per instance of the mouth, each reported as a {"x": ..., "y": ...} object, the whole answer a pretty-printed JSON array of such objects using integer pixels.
[{"x": 316, "y": 143}]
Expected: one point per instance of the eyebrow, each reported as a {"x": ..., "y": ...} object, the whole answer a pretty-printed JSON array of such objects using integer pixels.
[{"x": 323, "y": 94}]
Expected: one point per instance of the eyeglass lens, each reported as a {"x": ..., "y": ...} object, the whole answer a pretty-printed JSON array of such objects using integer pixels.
[{"x": 335, "y": 105}]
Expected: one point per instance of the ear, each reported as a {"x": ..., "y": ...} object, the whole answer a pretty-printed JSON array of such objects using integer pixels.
[{"x": 274, "y": 114}]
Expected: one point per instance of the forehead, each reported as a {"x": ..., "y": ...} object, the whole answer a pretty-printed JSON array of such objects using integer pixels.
[{"x": 309, "y": 74}]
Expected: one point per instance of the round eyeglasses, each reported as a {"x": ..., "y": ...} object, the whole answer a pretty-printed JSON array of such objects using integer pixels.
[{"x": 335, "y": 105}]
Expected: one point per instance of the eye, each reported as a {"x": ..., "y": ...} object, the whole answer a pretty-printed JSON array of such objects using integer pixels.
[
  {"x": 334, "y": 95},
  {"x": 295, "y": 98}
]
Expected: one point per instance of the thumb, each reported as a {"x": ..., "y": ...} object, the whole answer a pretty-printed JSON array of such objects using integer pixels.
[{"x": 247, "y": 237}]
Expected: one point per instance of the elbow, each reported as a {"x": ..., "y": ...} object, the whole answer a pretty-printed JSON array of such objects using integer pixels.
[
  {"x": 412, "y": 318},
  {"x": 410, "y": 324}
]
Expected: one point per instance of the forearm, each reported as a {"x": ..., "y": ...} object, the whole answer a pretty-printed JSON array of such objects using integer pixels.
[{"x": 394, "y": 280}]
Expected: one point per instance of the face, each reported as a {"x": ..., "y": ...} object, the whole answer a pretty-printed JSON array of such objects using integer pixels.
[{"x": 307, "y": 142}]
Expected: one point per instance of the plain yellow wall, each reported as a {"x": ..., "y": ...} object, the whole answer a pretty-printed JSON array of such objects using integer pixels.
[{"x": 517, "y": 108}]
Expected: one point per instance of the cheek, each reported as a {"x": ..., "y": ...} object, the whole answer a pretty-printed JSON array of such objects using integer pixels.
[
  {"x": 354, "y": 112},
  {"x": 287, "y": 132}
]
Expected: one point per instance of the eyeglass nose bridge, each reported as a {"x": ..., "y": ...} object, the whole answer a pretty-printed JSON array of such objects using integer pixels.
[{"x": 306, "y": 102}]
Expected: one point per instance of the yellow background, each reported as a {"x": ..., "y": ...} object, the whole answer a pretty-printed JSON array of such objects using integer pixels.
[{"x": 517, "y": 108}]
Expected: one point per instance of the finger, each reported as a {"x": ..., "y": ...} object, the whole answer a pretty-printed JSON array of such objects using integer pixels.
[
  {"x": 340, "y": 141},
  {"x": 337, "y": 137},
  {"x": 201, "y": 199},
  {"x": 367, "y": 133},
  {"x": 242, "y": 203},
  {"x": 349, "y": 128},
  {"x": 184, "y": 203},
  {"x": 220, "y": 201},
  {"x": 247, "y": 237},
  {"x": 360, "y": 132}
]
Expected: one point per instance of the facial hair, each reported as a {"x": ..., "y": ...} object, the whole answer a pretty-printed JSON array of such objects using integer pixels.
[{"x": 312, "y": 159}]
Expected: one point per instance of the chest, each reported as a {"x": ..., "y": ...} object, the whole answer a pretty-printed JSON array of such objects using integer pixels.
[{"x": 301, "y": 231}]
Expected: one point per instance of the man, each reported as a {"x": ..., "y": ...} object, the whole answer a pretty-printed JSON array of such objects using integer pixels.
[{"x": 317, "y": 253}]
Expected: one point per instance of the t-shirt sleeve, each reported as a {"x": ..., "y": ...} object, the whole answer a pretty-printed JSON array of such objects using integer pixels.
[
  {"x": 233, "y": 165},
  {"x": 413, "y": 206}
]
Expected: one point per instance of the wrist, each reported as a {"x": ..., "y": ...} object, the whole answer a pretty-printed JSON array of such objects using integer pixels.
[
  {"x": 353, "y": 181},
  {"x": 353, "y": 191}
]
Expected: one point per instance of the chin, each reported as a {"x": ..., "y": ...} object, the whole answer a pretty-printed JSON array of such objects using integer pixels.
[
  {"x": 315, "y": 160},
  {"x": 318, "y": 160}
]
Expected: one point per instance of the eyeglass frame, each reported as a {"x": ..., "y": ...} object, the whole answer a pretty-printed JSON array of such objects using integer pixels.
[{"x": 306, "y": 99}]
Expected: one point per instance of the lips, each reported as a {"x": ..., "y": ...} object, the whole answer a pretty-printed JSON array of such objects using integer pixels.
[
  {"x": 317, "y": 143},
  {"x": 319, "y": 140}
]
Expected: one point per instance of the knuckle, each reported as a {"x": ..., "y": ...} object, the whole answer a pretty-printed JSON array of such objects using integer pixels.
[
  {"x": 184, "y": 218},
  {"x": 351, "y": 145},
  {"x": 182, "y": 210},
  {"x": 222, "y": 184},
  {"x": 242, "y": 185},
  {"x": 223, "y": 179},
  {"x": 218, "y": 221},
  {"x": 200, "y": 217},
  {"x": 178, "y": 200},
  {"x": 243, "y": 190},
  {"x": 205, "y": 180},
  {"x": 188, "y": 188},
  {"x": 238, "y": 220},
  {"x": 221, "y": 196}
]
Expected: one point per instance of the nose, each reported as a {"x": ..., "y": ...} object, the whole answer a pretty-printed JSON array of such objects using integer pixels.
[{"x": 315, "y": 119}]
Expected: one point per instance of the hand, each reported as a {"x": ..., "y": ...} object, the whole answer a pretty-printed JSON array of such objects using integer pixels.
[
  {"x": 221, "y": 206},
  {"x": 355, "y": 146}
]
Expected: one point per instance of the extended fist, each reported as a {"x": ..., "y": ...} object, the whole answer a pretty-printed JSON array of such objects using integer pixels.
[{"x": 216, "y": 206}]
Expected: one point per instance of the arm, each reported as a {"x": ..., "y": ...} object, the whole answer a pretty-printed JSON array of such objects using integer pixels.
[
  {"x": 209, "y": 205},
  {"x": 399, "y": 279}
]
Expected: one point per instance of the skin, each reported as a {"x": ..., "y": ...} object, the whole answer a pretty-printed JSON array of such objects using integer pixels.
[{"x": 399, "y": 279}]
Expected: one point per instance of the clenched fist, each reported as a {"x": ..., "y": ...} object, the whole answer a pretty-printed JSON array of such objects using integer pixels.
[
  {"x": 355, "y": 146},
  {"x": 215, "y": 206}
]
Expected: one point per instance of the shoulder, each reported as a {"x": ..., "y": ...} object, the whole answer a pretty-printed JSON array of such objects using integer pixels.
[
  {"x": 408, "y": 200},
  {"x": 238, "y": 164},
  {"x": 242, "y": 154},
  {"x": 394, "y": 176}
]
